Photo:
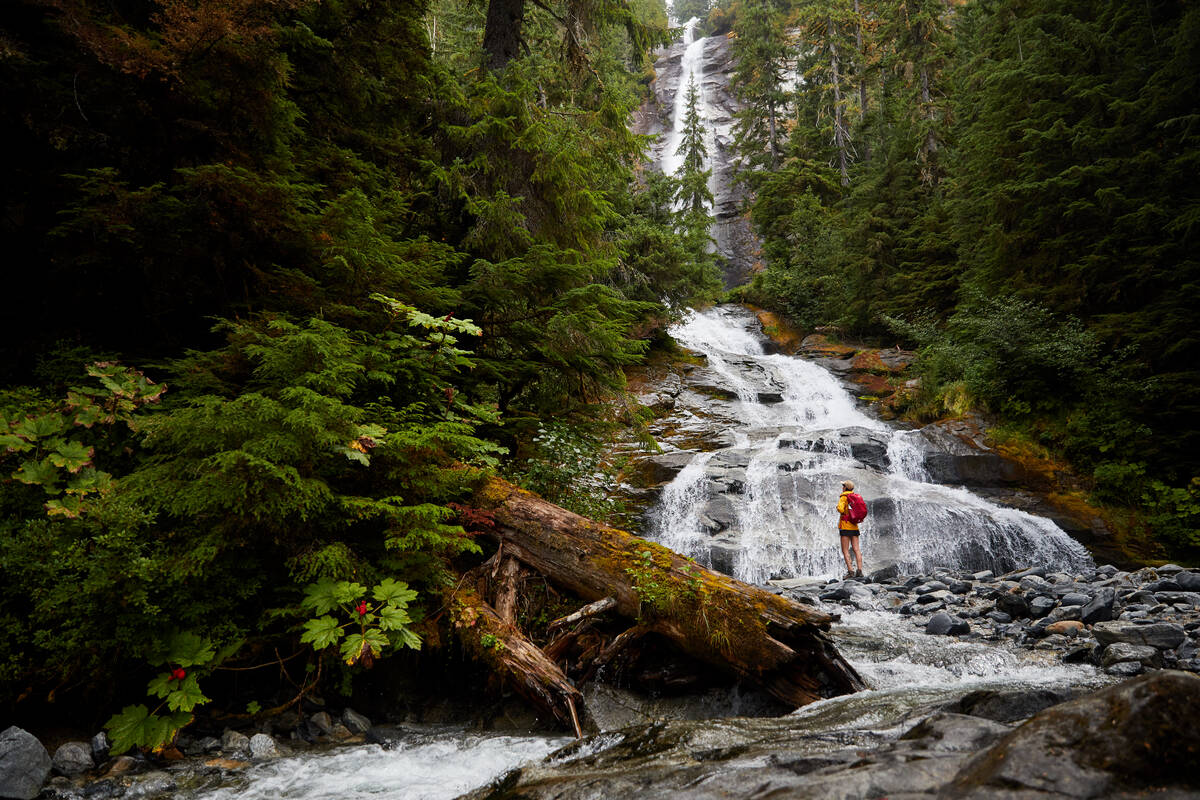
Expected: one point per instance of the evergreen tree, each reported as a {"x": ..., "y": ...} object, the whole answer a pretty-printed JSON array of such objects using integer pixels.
[
  {"x": 694, "y": 193},
  {"x": 761, "y": 50}
]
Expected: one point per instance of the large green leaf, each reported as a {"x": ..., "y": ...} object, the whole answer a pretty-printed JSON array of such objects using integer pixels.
[
  {"x": 89, "y": 479},
  {"x": 392, "y": 618},
  {"x": 186, "y": 695},
  {"x": 40, "y": 427},
  {"x": 72, "y": 456},
  {"x": 69, "y": 506},
  {"x": 320, "y": 596},
  {"x": 393, "y": 592},
  {"x": 357, "y": 645},
  {"x": 14, "y": 444},
  {"x": 42, "y": 473},
  {"x": 408, "y": 638},
  {"x": 321, "y": 632},
  {"x": 135, "y": 726},
  {"x": 185, "y": 649}
]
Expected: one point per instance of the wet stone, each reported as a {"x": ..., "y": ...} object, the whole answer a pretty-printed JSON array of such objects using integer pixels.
[
  {"x": 1040, "y": 606},
  {"x": 73, "y": 758},
  {"x": 1188, "y": 581},
  {"x": 1099, "y": 608},
  {"x": 1120, "y": 651},
  {"x": 1074, "y": 599},
  {"x": 1155, "y": 634},
  {"x": 1125, "y": 669}
]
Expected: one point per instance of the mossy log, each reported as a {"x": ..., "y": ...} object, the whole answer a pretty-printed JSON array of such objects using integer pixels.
[
  {"x": 770, "y": 640},
  {"x": 529, "y": 671}
]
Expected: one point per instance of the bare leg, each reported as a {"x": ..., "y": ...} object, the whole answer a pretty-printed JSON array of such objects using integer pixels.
[
  {"x": 857, "y": 551},
  {"x": 846, "y": 551}
]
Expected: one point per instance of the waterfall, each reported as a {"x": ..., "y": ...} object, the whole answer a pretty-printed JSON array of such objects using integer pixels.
[
  {"x": 782, "y": 478},
  {"x": 691, "y": 68}
]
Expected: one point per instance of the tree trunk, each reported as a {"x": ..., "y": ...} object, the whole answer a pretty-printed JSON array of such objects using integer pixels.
[
  {"x": 527, "y": 669},
  {"x": 839, "y": 122},
  {"x": 502, "y": 32},
  {"x": 767, "y": 639},
  {"x": 862, "y": 81}
]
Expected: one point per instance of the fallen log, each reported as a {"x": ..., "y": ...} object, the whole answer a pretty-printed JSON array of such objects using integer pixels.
[
  {"x": 497, "y": 643},
  {"x": 770, "y": 640}
]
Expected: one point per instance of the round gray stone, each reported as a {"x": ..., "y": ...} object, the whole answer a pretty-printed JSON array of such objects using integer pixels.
[
  {"x": 355, "y": 722},
  {"x": 24, "y": 764},
  {"x": 234, "y": 742},
  {"x": 263, "y": 746},
  {"x": 73, "y": 758}
]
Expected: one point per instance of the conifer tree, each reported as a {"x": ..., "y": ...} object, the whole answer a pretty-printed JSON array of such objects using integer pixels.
[
  {"x": 694, "y": 193},
  {"x": 761, "y": 50}
]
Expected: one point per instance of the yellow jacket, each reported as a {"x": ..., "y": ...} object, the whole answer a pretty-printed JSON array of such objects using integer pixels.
[{"x": 843, "y": 523}]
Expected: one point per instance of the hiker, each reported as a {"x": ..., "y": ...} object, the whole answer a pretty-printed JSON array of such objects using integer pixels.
[{"x": 853, "y": 510}]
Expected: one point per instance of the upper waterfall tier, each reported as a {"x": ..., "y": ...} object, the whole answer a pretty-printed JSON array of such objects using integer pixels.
[{"x": 710, "y": 60}]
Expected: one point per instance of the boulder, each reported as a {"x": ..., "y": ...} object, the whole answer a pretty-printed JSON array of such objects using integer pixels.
[
  {"x": 73, "y": 758},
  {"x": 355, "y": 722},
  {"x": 1117, "y": 652},
  {"x": 1161, "y": 635},
  {"x": 1125, "y": 669},
  {"x": 1082, "y": 748},
  {"x": 664, "y": 467},
  {"x": 1188, "y": 581},
  {"x": 943, "y": 624},
  {"x": 234, "y": 742},
  {"x": 24, "y": 764},
  {"x": 1008, "y": 705},
  {"x": 1013, "y": 604},
  {"x": 1041, "y": 605},
  {"x": 100, "y": 745},
  {"x": 1100, "y": 608}
]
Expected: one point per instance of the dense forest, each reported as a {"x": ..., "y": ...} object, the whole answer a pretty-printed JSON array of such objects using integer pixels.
[
  {"x": 288, "y": 280},
  {"x": 1010, "y": 187}
]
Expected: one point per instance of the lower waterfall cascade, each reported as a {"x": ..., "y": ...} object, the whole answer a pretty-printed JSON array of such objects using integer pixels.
[{"x": 761, "y": 505}]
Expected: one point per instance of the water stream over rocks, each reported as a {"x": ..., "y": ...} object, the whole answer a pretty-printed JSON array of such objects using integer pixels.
[{"x": 760, "y": 444}]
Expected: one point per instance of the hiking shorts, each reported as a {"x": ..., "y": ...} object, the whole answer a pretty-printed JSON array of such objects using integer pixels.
[{"x": 844, "y": 532}]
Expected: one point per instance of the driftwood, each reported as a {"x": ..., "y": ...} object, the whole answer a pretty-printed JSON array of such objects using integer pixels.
[{"x": 770, "y": 640}]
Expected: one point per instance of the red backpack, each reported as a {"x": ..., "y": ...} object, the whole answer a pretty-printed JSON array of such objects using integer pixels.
[{"x": 856, "y": 508}]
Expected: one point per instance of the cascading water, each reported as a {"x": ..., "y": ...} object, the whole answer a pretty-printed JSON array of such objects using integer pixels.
[
  {"x": 802, "y": 435},
  {"x": 691, "y": 69}
]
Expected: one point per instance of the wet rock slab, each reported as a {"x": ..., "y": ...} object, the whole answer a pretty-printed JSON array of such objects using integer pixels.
[{"x": 1118, "y": 742}]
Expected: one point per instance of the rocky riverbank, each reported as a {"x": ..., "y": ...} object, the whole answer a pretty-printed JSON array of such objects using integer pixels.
[{"x": 1123, "y": 622}]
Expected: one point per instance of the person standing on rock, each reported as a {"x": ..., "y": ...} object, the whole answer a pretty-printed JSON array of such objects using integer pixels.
[{"x": 852, "y": 510}]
